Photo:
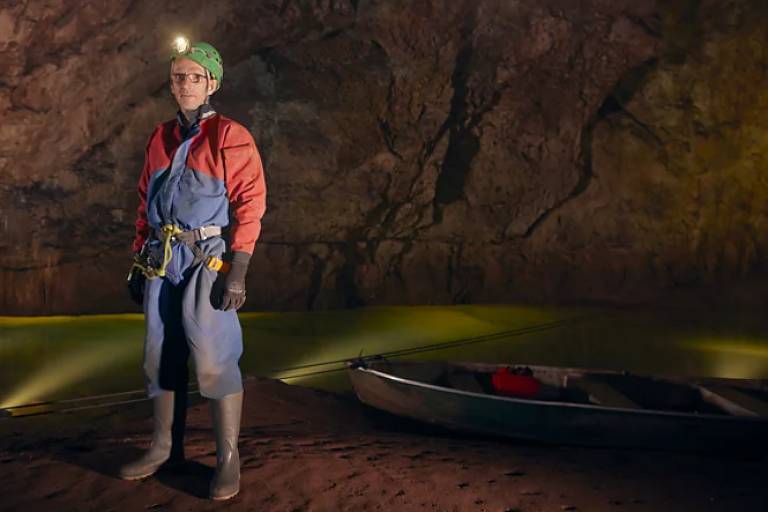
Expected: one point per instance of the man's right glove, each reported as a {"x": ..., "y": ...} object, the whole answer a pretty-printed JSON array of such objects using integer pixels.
[
  {"x": 136, "y": 283},
  {"x": 233, "y": 295}
]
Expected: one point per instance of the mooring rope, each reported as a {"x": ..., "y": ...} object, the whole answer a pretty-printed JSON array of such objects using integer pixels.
[{"x": 445, "y": 345}]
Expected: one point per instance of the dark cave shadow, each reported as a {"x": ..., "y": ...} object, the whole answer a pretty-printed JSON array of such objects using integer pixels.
[
  {"x": 104, "y": 462},
  {"x": 189, "y": 477}
]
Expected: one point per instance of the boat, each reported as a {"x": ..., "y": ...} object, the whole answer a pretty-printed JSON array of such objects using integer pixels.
[{"x": 570, "y": 405}]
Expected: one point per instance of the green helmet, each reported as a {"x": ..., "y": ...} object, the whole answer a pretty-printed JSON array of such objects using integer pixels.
[{"x": 202, "y": 53}]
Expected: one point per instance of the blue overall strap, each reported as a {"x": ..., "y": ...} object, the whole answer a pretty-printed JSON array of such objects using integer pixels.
[{"x": 178, "y": 164}]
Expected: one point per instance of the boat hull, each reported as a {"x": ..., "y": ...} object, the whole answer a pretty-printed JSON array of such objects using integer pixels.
[{"x": 551, "y": 421}]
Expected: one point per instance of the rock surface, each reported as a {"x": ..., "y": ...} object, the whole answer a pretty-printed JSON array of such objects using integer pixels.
[{"x": 415, "y": 152}]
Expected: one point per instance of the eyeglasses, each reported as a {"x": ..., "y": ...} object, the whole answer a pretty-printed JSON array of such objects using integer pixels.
[{"x": 192, "y": 77}]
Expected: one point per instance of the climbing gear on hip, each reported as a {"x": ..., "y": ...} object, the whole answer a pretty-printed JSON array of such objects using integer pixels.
[
  {"x": 217, "y": 264},
  {"x": 136, "y": 282},
  {"x": 168, "y": 231},
  {"x": 169, "y": 234}
]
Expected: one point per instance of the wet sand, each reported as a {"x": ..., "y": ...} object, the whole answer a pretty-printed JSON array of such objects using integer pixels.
[{"x": 309, "y": 450}]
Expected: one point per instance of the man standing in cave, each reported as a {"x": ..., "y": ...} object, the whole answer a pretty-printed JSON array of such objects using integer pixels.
[{"x": 202, "y": 173}]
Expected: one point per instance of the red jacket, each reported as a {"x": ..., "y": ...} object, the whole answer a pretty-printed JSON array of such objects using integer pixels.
[{"x": 211, "y": 176}]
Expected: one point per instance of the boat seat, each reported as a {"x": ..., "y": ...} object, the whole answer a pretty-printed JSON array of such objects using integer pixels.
[
  {"x": 734, "y": 401},
  {"x": 601, "y": 393}
]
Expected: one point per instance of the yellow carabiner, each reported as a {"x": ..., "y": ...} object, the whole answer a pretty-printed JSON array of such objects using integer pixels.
[{"x": 169, "y": 230}]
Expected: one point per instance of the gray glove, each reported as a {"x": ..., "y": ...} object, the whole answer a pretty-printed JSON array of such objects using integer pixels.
[{"x": 233, "y": 295}]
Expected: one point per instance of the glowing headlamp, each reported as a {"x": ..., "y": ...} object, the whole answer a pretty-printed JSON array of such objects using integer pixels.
[{"x": 181, "y": 45}]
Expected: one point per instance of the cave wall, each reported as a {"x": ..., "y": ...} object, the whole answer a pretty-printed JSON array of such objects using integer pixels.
[{"x": 415, "y": 152}]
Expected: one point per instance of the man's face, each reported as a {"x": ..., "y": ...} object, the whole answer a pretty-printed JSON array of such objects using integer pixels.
[{"x": 190, "y": 95}]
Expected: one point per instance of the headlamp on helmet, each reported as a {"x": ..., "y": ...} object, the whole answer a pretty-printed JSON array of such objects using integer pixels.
[
  {"x": 202, "y": 53},
  {"x": 181, "y": 45}
]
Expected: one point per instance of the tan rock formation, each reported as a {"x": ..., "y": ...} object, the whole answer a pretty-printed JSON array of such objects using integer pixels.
[{"x": 416, "y": 152}]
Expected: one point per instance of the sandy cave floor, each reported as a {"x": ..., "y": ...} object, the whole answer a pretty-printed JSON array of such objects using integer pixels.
[{"x": 309, "y": 450}]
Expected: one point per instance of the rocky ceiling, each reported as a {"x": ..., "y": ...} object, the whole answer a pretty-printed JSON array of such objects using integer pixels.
[{"x": 442, "y": 151}]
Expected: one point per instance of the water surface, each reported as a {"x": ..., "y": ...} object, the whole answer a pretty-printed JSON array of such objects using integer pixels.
[{"x": 52, "y": 358}]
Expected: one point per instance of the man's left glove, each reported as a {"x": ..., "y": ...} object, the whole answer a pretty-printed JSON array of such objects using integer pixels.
[
  {"x": 136, "y": 283},
  {"x": 233, "y": 296}
]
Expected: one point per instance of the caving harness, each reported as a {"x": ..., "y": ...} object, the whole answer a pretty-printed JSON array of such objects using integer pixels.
[{"x": 171, "y": 233}]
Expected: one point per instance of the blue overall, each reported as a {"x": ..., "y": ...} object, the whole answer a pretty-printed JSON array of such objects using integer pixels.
[{"x": 180, "y": 312}]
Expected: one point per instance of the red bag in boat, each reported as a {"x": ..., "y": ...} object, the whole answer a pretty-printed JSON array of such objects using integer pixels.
[{"x": 505, "y": 382}]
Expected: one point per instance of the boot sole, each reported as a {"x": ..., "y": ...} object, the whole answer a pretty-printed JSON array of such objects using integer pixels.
[
  {"x": 227, "y": 497},
  {"x": 169, "y": 464},
  {"x": 138, "y": 477}
]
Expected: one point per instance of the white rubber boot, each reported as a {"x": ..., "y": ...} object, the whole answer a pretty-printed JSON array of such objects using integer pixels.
[
  {"x": 226, "y": 414},
  {"x": 160, "y": 449}
]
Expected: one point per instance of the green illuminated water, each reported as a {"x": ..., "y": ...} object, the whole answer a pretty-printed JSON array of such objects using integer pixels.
[{"x": 62, "y": 357}]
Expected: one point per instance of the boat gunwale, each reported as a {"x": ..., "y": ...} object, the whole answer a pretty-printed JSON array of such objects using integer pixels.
[{"x": 559, "y": 404}]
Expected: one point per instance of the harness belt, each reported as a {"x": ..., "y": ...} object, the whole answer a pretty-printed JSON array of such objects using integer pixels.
[
  {"x": 191, "y": 236},
  {"x": 169, "y": 234}
]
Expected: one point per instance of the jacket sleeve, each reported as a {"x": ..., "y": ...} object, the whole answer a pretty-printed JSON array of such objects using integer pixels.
[
  {"x": 142, "y": 225},
  {"x": 246, "y": 188}
]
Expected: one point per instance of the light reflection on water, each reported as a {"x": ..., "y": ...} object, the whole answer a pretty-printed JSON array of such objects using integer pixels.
[{"x": 63, "y": 357}]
